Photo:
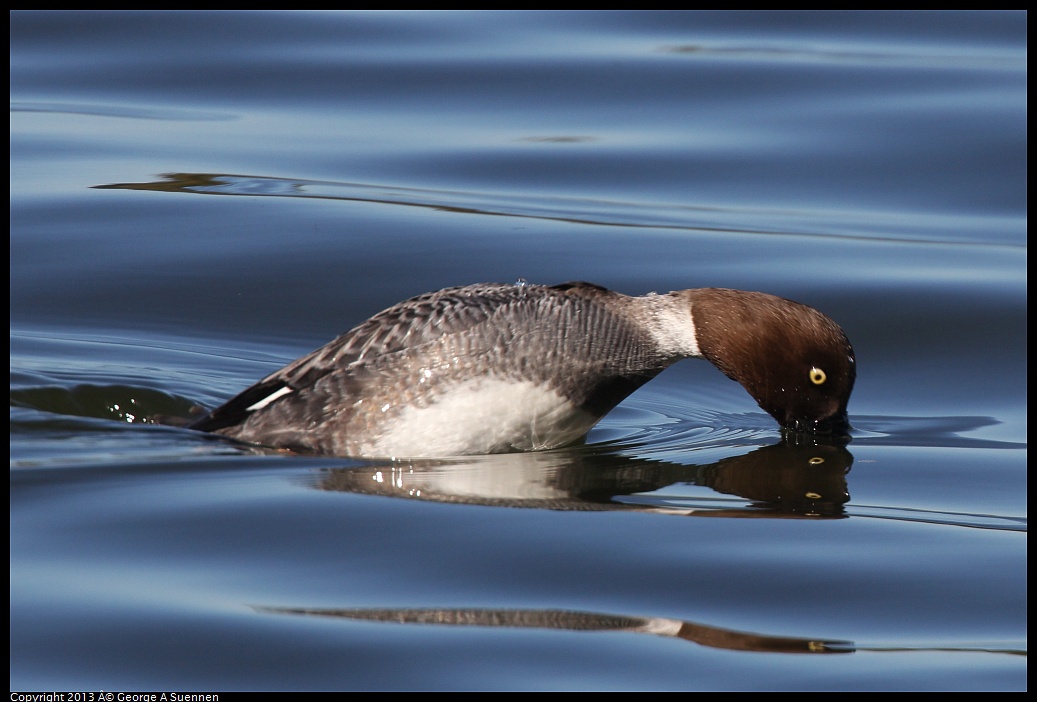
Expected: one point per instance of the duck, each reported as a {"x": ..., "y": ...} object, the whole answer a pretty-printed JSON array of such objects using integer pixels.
[{"x": 498, "y": 367}]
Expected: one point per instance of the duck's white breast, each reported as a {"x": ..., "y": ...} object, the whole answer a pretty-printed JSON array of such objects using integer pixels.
[{"x": 482, "y": 415}]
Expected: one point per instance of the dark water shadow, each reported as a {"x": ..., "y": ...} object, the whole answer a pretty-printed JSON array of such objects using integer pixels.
[
  {"x": 928, "y": 432},
  {"x": 597, "y": 212},
  {"x": 609, "y": 214}
]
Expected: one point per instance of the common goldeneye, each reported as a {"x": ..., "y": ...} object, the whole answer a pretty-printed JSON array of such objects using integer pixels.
[{"x": 492, "y": 368}]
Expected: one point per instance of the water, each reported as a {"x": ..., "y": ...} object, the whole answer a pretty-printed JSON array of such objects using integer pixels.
[{"x": 872, "y": 165}]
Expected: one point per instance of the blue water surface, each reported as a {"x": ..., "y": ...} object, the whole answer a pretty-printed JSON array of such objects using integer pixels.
[{"x": 197, "y": 198}]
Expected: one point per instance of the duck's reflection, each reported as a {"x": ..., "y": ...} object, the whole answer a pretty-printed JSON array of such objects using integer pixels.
[
  {"x": 702, "y": 634},
  {"x": 782, "y": 480}
]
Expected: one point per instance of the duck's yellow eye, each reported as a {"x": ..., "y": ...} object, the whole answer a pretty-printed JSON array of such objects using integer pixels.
[{"x": 817, "y": 376}]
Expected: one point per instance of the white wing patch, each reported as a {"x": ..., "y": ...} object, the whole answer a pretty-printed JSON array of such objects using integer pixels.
[{"x": 269, "y": 398}]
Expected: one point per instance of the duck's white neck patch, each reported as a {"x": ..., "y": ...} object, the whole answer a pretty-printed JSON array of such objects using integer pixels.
[
  {"x": 482, "y": 416},
  {"x": 669, "y": 318}
]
